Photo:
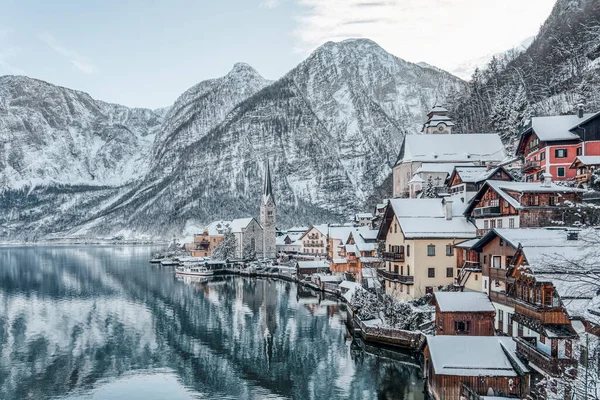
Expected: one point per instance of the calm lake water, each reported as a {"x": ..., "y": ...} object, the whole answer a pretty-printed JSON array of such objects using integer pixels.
[{"x": 102, "y": 323}]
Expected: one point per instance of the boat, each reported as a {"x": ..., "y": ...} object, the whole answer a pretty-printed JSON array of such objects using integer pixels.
[
  {"x": 155, "y": 261},
  {"x": 168, "y": 262},
  {"x": 193, "y": 270}
]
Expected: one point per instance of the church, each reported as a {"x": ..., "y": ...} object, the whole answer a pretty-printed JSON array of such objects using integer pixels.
[{"x": 436, "y": 150}]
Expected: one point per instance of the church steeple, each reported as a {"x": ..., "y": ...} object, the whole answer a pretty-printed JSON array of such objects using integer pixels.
[
  {"x": 268, "y": 216},
  {"x": 268, "y": 188}
]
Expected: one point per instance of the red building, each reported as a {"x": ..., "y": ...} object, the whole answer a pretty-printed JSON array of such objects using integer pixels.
[{"x": 551, "y": 144}]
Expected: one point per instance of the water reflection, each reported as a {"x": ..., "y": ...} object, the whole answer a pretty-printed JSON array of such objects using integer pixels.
[{"x": 94, "y": 321}]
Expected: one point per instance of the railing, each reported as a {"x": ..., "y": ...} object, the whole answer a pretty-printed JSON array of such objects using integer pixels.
[
  {"x": 409, "y": 339},
  {"x": 582, "y": 177},
  {"x": 314, "y": 244},
  {"x": 465, "y": 271},
  {"x": 395, "y": 277},
  {"x": 501, "y": 298},
  {"x": 478, "y": 212},
  {"x": 541, "y": 313},
  {"x": 392, "y": 256},
  {"x": 497, "y": 274},
  {"x": 530, "y": 165},
  {"x": 552, "y": 365}
]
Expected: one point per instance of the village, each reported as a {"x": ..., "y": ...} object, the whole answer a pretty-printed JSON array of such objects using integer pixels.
[{"x": 487, "y": 262}]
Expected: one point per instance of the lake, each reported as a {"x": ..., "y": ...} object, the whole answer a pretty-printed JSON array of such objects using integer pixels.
[{"x": 100, "y": 322}]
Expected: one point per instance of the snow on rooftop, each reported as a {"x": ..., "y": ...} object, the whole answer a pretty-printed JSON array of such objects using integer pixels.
[
  {"x": 589, "y": 160},
  {"x": 240, "y": 223},
  {"x": 312, "y": 264},
  {"x": 557, "y": 127},
  {"x": 464, "y": 302},
  {"x": 453, "y": 148},
  {"x": 474, "y": 355},
  {"x": 440, "y": 167}
]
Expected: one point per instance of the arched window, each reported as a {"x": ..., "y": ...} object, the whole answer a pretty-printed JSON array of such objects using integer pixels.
[{"x": 253, "y": 244}]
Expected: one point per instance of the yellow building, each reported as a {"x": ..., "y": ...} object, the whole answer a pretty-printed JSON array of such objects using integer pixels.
[{"x": 419, "y": 236}]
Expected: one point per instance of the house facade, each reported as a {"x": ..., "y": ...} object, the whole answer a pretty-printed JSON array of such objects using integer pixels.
[
  {"x": 465, "y": 181},
  {"x": 420, "y": 235},
  {"x": 314, "y": 241},
  {"x": 355, "y": 249},
  {"x": 550, "y": 144},
  {"x": 500, "y": 204},
  {"x": 464, "y": 313}
]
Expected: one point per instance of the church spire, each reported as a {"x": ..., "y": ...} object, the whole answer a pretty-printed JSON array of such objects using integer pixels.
[{"x": 268, "y": 189}]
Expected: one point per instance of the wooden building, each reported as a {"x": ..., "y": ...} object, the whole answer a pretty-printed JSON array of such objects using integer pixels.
[
  {"x": 550, "y": 144},
  {"x": 500, "y": 204},
  {"x": 468, "y": 267},
  {"x": 465, "y": 181},
  {"x": 458, "y": 367},
  {"x": 464, "y": 313},
  {"x": 584, "y": 167}
]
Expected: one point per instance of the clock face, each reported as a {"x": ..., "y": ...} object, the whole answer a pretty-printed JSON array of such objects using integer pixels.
[{"x": 441, "y": 127}]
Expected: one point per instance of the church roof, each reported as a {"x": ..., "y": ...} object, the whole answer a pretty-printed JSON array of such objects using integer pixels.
[{"x": 268, "y": 188}]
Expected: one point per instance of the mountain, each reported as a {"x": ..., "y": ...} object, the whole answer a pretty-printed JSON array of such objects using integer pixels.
[
  {"x": 560, "y": 69},
  {"x": 331, "y": 129},
  {"x": 51, "y": 135}
]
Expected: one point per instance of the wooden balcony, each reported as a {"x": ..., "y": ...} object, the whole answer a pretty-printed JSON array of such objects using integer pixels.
[
  {"x": 497, "y": 274},
  {"x": 392, "y": 256},
  {"x": 394, "y": 277},
  {"x": 485, "y": 211},
  {"x": 530, "y": 166},
  {"x": 501, "y": 298},
  {"x": 582, "y": 177},
  {"x": 552, "y": 365},
  {"x": 540, "y": 313}
]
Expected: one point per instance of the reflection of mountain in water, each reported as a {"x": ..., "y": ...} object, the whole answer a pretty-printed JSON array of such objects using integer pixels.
[{"x": 71, "y": 316}]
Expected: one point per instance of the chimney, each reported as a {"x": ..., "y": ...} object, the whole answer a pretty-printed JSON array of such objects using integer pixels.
[
  {"x": 488, "y": 166},
  {"x": 448, "y": 208},
  {"x": 580, "y": 110},
  {"x": 546, "y": 179}
]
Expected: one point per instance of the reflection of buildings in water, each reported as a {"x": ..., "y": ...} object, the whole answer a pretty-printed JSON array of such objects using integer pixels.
[{"x": 268, "y": 317}]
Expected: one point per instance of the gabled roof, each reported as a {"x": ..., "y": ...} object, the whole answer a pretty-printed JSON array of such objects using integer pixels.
[
  {"x": 476, "y": 174},
  {"x": 520, "y": 236},
  {"x": 501, "y": 187},
  {"x": 424, "y": 218},
  {"x": 241, "y": 223},
  {"x": 268, "y": 188},
  {"x": 441, "y": 167},
  {"x": 455, "y": 148},
  {"x": 585, "y": 160},
  {"x": 322, "y": 229},
  {"x": 463, "y": 302},
  {"x": 479, "y": 356},
  {"x": 218, "y": 228}
]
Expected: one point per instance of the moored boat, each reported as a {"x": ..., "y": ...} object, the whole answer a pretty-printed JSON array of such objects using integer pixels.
[{"x": 193, "y": 270}]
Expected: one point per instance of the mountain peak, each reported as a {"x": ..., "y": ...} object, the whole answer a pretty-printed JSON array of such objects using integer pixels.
[{"x": 241, "y": 68}]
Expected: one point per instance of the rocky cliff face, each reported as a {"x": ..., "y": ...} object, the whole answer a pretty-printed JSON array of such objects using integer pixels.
[{"x": 331, "y": 129}]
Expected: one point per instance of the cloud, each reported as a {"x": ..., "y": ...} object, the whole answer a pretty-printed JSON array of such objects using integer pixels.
[
  {"x": 444, "y": 33},
  {"x": 8, "y": 53},
  {"x": 271, "y": 3},
  {"x": 82, "y": 63}
]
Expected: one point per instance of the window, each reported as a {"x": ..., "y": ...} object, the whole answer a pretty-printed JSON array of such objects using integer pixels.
[
  {"x": 542, "y": 156},
  {"x": 408, "y": 250},
  {"x": 542, "y": 339},
  {"x": 485, "y": 259},
  {"x": 493, "y": 224},
  {"x": 485, "y": 284},
  {"x": 486, "y": 224},
  {"x": 508, "y": 261},
  {"x": 402, "y": 270},
  {"x": 496, "y": 262},
  {"x": 395, "y": 269},
  {"x": 500, "y": 316},
  {"x": 579, "y": 151},
  {"x": 505, "y": 204},
  {"x": 560, "y": 153},
  {"x": 508, "y": 319},
  {"x": 407, "y": 289},
  {"x": 408, "y": 270},
  {"x": 511, "y": 223},
  {"x": 552, "y": 200},
  {"x": 501, "y": 242},
  {"x": 560, "y": 171},
  {"x": 431, "y": 250},
  {"x": 499, "y": 223},
  {"x": 449, "y": 272},
  {"x": 449, "y": 250},
  {"x": 431, "y": 272},
  {"x": 476, "y": 277},
  {"x": 462, "y": 327}
]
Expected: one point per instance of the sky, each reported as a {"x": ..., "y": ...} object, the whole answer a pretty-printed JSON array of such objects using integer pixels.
[{"x": 145, "y": 53}]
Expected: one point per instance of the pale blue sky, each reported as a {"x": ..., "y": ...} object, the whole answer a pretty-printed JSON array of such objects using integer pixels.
[{"x": 146, "y": 53}]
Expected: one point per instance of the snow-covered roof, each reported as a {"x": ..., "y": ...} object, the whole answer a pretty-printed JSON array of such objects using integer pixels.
[
  {"x": 467, "y": 244},
  {"x": 299, "y": 229},
  {"x": 350, "y": 248},
  {"x": 340, "y": 232},
  {"x": 349, "y": 285},
  {"x": 424, "y": 218},
  {"x": 463, "y": 302},
  {"x": 339, "y": 260},
  {"x": 452, "y": 148},
  {"x": 240, "y": 223},
  {"x": 218, "y": 228},
  {"x": 363, "y": 215},
  {"x": 437, "y": 109},
  {"x": 323, "y": 228},
  {"x": 330, "y": 278},
  {"x": 474, "y": 355},
  {"x": 557, "y": 127},
  {"x": 312, "y": 264},
  {"x": 440, "y": 167},
  {"x": 370, "y": 259},
  {"x": 474, "y": 174},
  {"x": 587, "y": 160}
]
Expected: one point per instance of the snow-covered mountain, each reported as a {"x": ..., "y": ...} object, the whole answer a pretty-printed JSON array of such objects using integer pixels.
[
  {"x": 331, "y": 129},
  {"x": 51, "y": 135}
]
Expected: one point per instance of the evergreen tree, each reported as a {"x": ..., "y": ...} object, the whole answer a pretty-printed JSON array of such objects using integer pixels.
[
  {"x": 249, "y": 252},
  {"x": 430, "y": 188},
  {"x": 226, "y": 249}
]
